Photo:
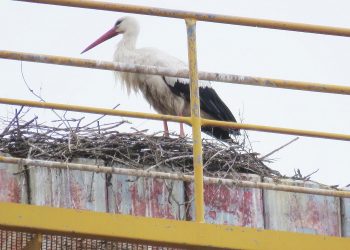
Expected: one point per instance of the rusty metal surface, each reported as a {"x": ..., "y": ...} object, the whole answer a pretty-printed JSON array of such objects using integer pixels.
[
  {"x": 171, "y": 176},
  {"x": 146, "y": 197},
  {"x": 304, "y": 213},
  {"x": 166, "y": 199},
  {"x": 184, "y": 73},
  {"x": 232, "y": 205},
  {"x": 12, "y": 187},
  {"x": 68, "y": 188},
  {"x": 345, "y": 216}
]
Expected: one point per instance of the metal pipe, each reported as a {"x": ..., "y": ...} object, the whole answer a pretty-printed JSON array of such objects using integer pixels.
[
  {"x": 173, "y": 176},
  {"x": 184, "y": 73},
  {"x": 208, "y": 17},
  {"x": 278, "y": 130},
  {"x": 255, "y": 127},
  {"x": 195, "y": 121},
  {"x": 93, "y": 110}
]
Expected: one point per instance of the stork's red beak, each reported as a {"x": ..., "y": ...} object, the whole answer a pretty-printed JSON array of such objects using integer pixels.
[{"x": 108, "y": 35}]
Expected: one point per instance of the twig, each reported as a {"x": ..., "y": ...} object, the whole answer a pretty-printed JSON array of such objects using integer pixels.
[
  {"x": 279, "y": 148},
  {"x": 307, "y": 177},
  {"x": 214, "y": 155},
  {"x": 87, "y": 125},
  {"x": 38, "y": 96},
  {"x": 7, "y": 128},
  {"x": 170, "y": 159}
]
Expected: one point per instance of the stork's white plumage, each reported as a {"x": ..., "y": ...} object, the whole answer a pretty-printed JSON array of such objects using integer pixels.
[{"x": 167, "y": 95}]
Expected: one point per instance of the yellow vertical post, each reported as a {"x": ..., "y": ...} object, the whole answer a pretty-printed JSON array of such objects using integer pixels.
[{"x": 195, "y": 121}]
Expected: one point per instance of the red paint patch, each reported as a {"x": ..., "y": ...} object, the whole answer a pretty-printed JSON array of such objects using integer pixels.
[
  {"x": 212, "y": 214},
  {"x": 230, "y": 205},
  {"x": 10, "y": 190},
  {"x": 138, "y": 203},
  {"x": 77, "y": 193}
]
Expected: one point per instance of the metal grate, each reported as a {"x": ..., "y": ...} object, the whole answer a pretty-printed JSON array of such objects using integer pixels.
[{"x": 12, "y": 240}]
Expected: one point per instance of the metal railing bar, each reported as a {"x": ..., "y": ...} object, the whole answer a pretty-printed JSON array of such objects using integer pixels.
[
  {"x": 94, "y": 110},
  {"x": 195, "y": 121},
  {"x": 173, "y": 176},
  {"x": 207, "y": 17},
  {"x": 184, "y": 73},
  {"x": 277, "y": 130},
  {"x": 204, "y": 122}
]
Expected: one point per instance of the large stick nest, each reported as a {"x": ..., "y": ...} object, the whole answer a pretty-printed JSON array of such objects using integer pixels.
[{"x": 68, "y": 139}]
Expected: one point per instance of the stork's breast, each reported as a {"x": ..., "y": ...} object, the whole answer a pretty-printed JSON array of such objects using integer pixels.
[{"x": 161, "y": 98}]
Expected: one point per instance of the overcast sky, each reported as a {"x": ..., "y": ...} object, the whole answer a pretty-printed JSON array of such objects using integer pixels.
[{"x": 221, "y": 48}]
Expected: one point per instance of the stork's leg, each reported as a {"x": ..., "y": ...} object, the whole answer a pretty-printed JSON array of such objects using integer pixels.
[
  {"x": 182, "y": 132},
  {"x": 166, "y": 129}
]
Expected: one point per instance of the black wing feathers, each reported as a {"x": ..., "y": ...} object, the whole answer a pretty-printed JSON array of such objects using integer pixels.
[{"x": 211, "y": 104}]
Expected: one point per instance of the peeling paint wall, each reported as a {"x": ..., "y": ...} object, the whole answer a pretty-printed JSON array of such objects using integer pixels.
[
  {"x": 146, "y": 197},
  {"x": 345, "y": 208},
  {"x": 68, "y": 188},
  {"x": 13, "y": 187},
  {"x": 174, "y": 199},
  {"x": 232, "y": 205},
  {"x": 303, "y": 213}
]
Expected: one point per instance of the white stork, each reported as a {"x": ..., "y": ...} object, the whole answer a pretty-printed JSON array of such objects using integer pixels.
[{"x": 167, "y": 95}]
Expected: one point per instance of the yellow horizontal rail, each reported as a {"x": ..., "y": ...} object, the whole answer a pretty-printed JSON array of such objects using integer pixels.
[
  {"x": 184, "y": 73},
  {"x": 162, "y": 232},
  {"x": 208, "y": 17},
  {"x": 94, "y": 110},
  {"x": 174, "y": 176},
  {"x": 204, "y": 122},
  {"x": 278, "y": 130}
]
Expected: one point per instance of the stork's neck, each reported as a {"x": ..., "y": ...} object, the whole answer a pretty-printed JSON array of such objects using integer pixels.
[{"x": 128, "y": 41}]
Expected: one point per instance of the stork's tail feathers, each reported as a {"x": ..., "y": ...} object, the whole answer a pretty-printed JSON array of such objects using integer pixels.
[{"x": 221, "y": 133}]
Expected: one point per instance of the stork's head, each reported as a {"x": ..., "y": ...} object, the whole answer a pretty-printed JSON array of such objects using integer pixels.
[{"x": 125, "y": 25}]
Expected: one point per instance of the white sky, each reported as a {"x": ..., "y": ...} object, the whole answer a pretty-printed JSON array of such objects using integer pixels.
[{"x": 221, "y": 48}]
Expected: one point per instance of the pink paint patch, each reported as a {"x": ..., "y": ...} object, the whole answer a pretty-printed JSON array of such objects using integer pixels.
[
  {"x": 150, "y": 198},
  {"x": 77, "y": 195},
  {"x": 212, "y": 214},
  {"x": 230, "y": 205},
  {"x": 10, "y": 190},
  {"x": 138, "y": 202}
]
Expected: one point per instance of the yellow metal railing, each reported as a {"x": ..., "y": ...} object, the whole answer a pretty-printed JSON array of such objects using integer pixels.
[
  {"x": 208, "y": 17},
  {"x": 195, "y": 120},
  {"x": 161, "y": 232},
  {"x": 183, "y": 73},
  {"x": 123, "y": 113}
]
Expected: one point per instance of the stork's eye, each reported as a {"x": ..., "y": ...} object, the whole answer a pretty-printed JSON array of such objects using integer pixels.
[{"x": 118, "y": 22}]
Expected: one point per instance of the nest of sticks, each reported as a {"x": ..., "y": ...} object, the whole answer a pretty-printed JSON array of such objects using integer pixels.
[{"x": 65, "y": 139}]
